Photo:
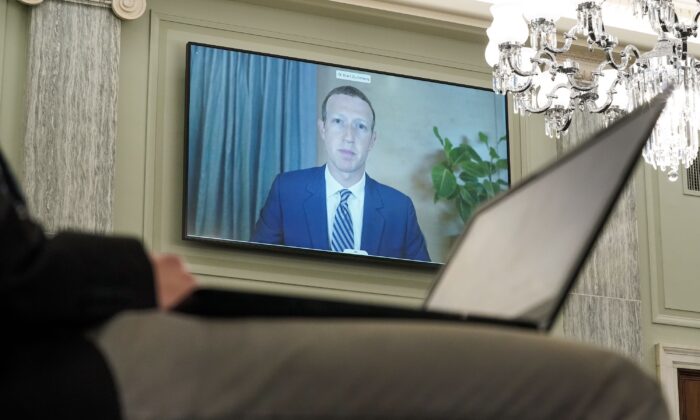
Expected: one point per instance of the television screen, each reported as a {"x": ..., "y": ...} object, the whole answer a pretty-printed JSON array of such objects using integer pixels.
[{"x": 292, "y": 155}]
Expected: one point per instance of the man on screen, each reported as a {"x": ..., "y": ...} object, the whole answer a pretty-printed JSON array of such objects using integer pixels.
[{"x": 337, "y": 206}]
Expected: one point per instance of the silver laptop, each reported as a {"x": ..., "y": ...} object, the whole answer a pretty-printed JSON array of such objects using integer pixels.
[{"x": 520, "y": 254}]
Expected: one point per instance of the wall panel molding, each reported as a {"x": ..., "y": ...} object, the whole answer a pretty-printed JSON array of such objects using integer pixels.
[
  {"x": 165, "y": 138},
  {"x": 659, "y": 240}
]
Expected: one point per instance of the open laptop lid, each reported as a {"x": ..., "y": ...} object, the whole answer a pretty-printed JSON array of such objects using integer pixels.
[{"x": 521, "y": 253}]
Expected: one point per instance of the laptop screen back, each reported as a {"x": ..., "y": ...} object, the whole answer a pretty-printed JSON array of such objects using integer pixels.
[{"x": 520, "y": 255}]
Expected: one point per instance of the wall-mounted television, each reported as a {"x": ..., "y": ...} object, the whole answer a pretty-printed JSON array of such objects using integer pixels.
[{"x": 291, "y": 155}]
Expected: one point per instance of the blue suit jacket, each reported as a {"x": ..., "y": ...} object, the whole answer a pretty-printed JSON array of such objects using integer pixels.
[{"x": 295, "y": 215}]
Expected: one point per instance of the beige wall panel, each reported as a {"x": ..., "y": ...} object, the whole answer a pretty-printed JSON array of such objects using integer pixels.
[
  {"x": 132, "y": 104},
  {"x": 14, "y": 21},
  {"x": 660, "y": 324},
  {"x": 151, "y": 132},
  {"x": 443, "y": 52},
  {"x": 672, "y": 259},
  {"x": 680, "y": 225}
]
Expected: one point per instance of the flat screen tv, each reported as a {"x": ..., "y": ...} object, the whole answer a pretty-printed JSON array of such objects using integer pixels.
[{"x": 291, "y": 155}]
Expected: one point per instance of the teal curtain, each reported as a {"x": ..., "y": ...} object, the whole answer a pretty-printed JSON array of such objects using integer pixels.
[{"x": 250, "y": 118}]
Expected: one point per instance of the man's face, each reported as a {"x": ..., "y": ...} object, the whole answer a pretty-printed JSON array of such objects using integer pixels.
[{"x": 347, "y": 134}]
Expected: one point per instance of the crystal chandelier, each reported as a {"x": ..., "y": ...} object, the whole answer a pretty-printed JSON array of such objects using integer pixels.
[{"x": 542, "y": 80}]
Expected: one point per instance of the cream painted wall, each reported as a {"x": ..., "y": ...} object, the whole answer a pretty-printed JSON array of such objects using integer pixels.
[
  {"x": 669, "y": 222},
  {"x": 353, "y": 40},
  {"x": 151, "y": 110},
  {"x": 14, "y": 21}
]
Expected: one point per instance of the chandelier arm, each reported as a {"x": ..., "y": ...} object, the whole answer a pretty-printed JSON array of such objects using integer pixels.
[
  {"x": 664, "y": 25},
  {"x": 624, "y": 57},
  {"x": 684, "y": 47},
  {"x": 520, "y": 72},
  {"x": 551, "y": 94},
  {"x": 566, "y": 126},
  {"x": 590, "y": 105},
  {"x": 569, "y": 38},
  {"x": 581, "y": 87},
  {"x": 521, "y": 89},
  {"x": 545, "y": 58},
  {"x": 591, "y": 32},
  {"x": 592, "y": 39},
  {"x": 599, "y": 70},
  {"x": 537, "y": 110}
]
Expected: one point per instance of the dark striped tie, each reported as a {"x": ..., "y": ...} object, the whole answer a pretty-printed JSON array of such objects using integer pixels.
[{"x": 343, "y": 236}]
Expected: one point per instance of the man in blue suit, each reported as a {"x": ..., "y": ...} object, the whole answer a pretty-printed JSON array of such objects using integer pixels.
[{"x": 337, "y": 206}]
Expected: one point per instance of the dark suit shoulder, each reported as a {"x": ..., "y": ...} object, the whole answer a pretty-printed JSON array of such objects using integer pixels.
[
  {"x": 301, "y": 174},
  {"x": 388, "y": 193}
]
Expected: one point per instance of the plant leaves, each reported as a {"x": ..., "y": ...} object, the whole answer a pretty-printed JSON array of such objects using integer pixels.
[
  {"x": 458, "y": 155},
  {"x": 472, "y": 186},
  {"x": 437, "y": 134},
  {"x": 467, "y": 197},
  {"x": 474, "y": 172},
  {"x": 448, "y": 146},
  {"x": 480, "y": 191},
  {"x": 486, "y": 168},
  {"x": 490, "y": 188},
  {"x": 444, "y": 181},
  {"x": 473, "y": 169},
  {"x": 465, "y": 210},
  {"x": 472, "y": 153}
]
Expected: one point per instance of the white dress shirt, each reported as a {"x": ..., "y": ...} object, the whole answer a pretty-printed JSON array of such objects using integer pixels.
[{"x": 356, "y": 205}]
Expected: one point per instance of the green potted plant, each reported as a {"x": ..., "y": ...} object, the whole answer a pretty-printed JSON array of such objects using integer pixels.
[{"x": 466, "y": 178}]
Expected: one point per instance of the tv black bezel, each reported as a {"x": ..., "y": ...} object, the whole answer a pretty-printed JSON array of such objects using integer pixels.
[{"x": 284, "y": 249}]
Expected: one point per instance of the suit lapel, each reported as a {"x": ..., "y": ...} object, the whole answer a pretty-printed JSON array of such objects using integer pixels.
[
  {"x": 372, "y": 219},
  {"x": 315, "y": 209}
]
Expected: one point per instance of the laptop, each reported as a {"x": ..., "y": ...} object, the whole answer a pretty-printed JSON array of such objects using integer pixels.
[{"x": 519, "y": 256}]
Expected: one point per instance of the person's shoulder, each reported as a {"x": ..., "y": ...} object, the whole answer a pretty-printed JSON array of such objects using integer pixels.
[
  {"x": 388, "y": 193},
  {"x": 301, "y": 174}
]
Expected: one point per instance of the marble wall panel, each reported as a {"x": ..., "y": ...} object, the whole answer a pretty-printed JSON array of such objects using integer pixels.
[
  {"x": 604, "y": 307},
  {"x": 612, "y": 268},
  {"x": 607, "y": 322}
]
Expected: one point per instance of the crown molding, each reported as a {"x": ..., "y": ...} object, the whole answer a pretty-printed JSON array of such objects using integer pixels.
[{"x": 428, "y": 17}]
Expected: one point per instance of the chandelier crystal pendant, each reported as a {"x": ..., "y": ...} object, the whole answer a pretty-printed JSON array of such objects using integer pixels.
[{"x": 541, "y": 80}]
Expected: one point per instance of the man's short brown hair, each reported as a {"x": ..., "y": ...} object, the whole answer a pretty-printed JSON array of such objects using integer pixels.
[{"x": 349, "y": 91}]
